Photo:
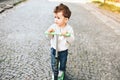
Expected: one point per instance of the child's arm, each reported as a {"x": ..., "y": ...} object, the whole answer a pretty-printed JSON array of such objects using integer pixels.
[
  {"x": 50, "y": 30},
  {"x": 70, "y": 38}
]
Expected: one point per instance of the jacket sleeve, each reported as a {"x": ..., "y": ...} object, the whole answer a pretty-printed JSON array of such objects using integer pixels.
[
  {"x": 71, "y": 38},
  {"x": 51, "y": 27}
]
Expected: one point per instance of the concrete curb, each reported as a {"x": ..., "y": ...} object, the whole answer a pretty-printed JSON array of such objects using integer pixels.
[{"x": 5, "y": 6}]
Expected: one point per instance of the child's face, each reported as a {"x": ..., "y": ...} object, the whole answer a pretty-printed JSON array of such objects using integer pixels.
[{"x": 60, "y": 20}]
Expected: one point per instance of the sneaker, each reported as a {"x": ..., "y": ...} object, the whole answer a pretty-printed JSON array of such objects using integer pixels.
[
  {"x": 60, "y": 73},
  {"x": 52, "y": 76}
]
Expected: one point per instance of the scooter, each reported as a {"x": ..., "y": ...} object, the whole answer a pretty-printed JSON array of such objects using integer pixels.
[{"x": 56, "y": 56}]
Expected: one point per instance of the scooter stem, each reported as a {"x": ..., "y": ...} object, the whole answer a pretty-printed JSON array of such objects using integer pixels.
[
  {"x": 56, "y": 45},
  {"x": 56, "y": 59}
]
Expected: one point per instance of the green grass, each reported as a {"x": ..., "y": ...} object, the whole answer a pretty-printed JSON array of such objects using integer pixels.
[
  {"x": 97, "y": 2},
  {"x": 107, "y": 6}
]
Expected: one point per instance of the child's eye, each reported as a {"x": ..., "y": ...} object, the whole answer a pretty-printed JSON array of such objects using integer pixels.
[{"x": 55, "y": 17}]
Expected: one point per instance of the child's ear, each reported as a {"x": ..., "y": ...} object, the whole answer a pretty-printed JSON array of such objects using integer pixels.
[{"x": 66, "y": 19}]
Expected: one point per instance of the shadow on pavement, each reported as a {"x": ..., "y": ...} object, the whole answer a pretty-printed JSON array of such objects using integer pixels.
[{"x": 69, "y": 77}]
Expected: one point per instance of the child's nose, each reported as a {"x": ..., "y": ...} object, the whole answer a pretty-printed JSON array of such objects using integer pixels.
[{"x": 55, "y": 20}]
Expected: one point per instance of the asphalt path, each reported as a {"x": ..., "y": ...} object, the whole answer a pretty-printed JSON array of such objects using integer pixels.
[{"x": 25, "y": 50}]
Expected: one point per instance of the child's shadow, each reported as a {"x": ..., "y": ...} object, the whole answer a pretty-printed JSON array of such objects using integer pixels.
[{"x": 68, "y": 77}]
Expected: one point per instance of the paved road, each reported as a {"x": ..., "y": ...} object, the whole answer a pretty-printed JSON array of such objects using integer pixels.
[{"x": 24, "y": 49}]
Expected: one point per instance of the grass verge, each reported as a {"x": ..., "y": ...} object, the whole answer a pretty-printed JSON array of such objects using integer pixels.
[{"x": 107, "y": 6}]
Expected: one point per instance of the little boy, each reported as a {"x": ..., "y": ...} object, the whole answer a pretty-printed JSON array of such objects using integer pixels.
[{"x": 61, "y": 16}]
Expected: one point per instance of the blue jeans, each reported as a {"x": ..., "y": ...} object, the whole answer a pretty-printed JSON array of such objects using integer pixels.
[{"x": 62, "y": 57}]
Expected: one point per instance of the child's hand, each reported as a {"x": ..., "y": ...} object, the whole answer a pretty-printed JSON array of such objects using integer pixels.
[
  {"x": 64, "y": 33},
  {"x": 51, "y": 30}
]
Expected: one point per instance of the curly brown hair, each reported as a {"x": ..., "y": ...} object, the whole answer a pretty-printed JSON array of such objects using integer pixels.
[{"x": 66, "y": 11}]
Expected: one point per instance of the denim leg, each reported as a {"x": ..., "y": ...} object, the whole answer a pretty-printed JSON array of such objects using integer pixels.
[
  {"x": 52, "y": 58},
  {"x": 63, "y": 60}
]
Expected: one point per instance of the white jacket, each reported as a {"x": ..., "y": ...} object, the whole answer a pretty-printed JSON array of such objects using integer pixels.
[{"x": 63, "y": 42}]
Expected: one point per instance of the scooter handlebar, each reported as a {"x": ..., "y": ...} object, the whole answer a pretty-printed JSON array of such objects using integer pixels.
[{"x": 54, "y": 33}]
